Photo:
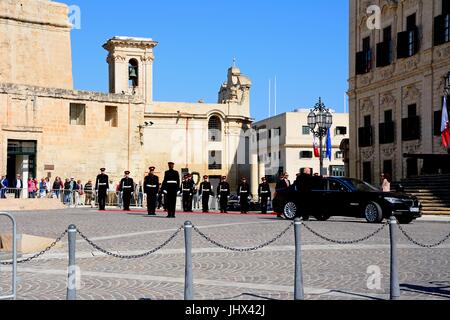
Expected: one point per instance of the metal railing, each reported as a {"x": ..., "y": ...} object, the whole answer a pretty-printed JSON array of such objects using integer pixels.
[
  {"x": 14, "y": 258},
  {"x": 189, "y": 228}
]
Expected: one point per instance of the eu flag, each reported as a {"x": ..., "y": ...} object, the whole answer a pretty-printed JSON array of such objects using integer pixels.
[{"x": 329, "y": 145}]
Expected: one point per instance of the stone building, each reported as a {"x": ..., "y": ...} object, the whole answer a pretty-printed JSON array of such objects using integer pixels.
[
  {"x": 47, "y": 128},
  {"x": 289, "y": 146},
  {"x": 396, "y": 87}
]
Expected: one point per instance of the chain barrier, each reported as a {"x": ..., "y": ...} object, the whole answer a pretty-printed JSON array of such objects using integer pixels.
[
  {"x": 343, "y": 241},
  {"x": 244, "y": 249},
  {"x": 129, "y": 257},
  {"x": 429, "y": 246},
  {"x": 51, "y": 246}
]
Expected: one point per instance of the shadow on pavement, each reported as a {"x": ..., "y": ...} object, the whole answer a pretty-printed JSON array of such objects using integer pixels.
[{"x": 436, "y": 288}]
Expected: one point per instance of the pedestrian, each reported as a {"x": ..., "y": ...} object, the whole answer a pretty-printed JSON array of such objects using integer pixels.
[
  {"x": 126, "y": 186},
  {"x": 140, "y": 195},
  {"x": 264, "y": 194},
  {"x": 67, "y": 193},
  {"x": 101, "y": 189},
  {"x": 170, "y": 187},
  {"x": 88, "y": 189},
  {"x": 223, "y": 193},
  {"x": 304, "y": 184},
  {"x": 42, "y": 188},
  {"x": 151, "y": 189},
  {"x": 56, "y": 187},
  {"x": 385, "y": 182},
  {"x": 31, "y": 188},
  {"x": 18, "y": 184},
  {"x": 3, "y": 186},
  {"x": 205, "y": 192},
  {"x": 243, "y": 192},
  {"x": 286, "y": 179},
  {"x": 80, "y": 193}
]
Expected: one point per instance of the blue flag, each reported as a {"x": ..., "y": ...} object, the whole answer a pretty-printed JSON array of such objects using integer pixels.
[{"x": 329, "y": 145}]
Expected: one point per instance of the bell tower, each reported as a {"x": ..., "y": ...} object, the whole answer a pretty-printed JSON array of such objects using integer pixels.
[{"x": 131, "y": 66}]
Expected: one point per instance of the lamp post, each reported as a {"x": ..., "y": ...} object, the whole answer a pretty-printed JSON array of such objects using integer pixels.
[{"x": 319, "y": 121}]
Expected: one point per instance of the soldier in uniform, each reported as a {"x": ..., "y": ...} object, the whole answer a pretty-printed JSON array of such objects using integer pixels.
[
  {"x": 101, "y": 189},
  {"x": 170, "y": 186},
  {"x": 264, "y": 195},
  {"x": 223, "y": 193},
  {"x": 151, "y": 188},
  {"x": 187, "y": 189},
  {"x": 205, "y": 191},
  {"x": 127, "y": 188},
  {"x": 243, "y": 193}
]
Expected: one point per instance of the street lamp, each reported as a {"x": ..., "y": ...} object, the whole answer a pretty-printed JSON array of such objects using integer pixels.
[{"x": 319, "y": 121}]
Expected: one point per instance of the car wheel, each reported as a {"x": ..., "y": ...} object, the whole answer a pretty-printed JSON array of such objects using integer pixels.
[
  {"x": 322, "y": 217},
  {"x": 405, "y": 220},
  {"x": 373, "y": 213},
  {"x": 290, "y": 210}
]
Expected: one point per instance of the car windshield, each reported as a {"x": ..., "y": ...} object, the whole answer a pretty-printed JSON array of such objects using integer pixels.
[{"x": 361, "y": 185}]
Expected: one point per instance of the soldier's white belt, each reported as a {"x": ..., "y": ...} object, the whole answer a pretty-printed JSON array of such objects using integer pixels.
[
  {"x": 187, "y": 190},
  {"x": 102, "y": 184},
  {"x": 207, "y": 190},
  {"x": 244, "y": 191},
  {"x": 127, "y": 187},
  {"x": 264, "y": 191},
  {"x": 172, "y": 182},
  {"x": 151, "y": 186},
  {"x": 224, "y": 190}
]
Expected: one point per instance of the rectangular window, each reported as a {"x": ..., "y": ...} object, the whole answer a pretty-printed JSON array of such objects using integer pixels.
[
  {"x": 412, "y": 110},
  {"x": 77, "y": 114},
  {"x": 388, "y": 116},
  {"x": 306, "y": 155},
  {"x": 341, "y": 131},
  {"x": 365, "y": 137},
  {"x": 387, "y": 132},
  {"x": 408, "y": 41},
  {"x": 339, "y": 155},
  {"x": 111, "y": 116},
  {"x": 367, "y": 121},
  {"x": 384, "y": 49},
  {"x": 306, "y": 131},
  {"x": 411, "y": 127},
  {"x": 337, "y": 171},
  {"x": 364, "y": 58},
  {"x": 215, "y": 160}
]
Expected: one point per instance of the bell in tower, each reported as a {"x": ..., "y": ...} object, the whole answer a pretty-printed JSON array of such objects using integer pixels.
[
  {"x": 133, "y": 72},
  {"x": 131, "y": 66}
]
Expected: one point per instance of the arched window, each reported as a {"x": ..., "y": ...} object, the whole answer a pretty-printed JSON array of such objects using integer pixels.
[
  {"x": 133, "y": 72},
  {"x": 215, "y": 129}
]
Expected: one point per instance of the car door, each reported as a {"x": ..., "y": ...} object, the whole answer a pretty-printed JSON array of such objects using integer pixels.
[{"x": 337, "y": 199}]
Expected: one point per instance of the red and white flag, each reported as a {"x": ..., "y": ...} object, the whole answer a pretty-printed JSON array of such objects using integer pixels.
[
  {"x": 316, "y": 147},
  {"x": 445, "y": 130}
]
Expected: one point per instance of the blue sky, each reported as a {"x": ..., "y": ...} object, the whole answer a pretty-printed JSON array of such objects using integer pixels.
[{"x": 303, "y": 43}]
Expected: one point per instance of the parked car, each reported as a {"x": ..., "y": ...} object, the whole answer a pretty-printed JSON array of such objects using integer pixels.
[
  {"x": 234, "y": 204},
  {"x": 328, "y": 197}
]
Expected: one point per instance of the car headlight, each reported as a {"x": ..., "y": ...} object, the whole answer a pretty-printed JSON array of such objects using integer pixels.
[{"x": 393, "y": 200}]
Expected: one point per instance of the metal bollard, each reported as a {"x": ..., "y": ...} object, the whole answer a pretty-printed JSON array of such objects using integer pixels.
[
  {"x": 298, "y": 287},
  {"x": 72, "y": 276},
  {"x": 189, "y": 277},
  {"x": 395, "y": 287}
]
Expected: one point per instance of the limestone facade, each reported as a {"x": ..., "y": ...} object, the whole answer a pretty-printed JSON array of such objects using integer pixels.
[
  {"x": 290, "y": 146},
  {"x": 77, "y": 132},
  {"x": 407, "y": 85}
]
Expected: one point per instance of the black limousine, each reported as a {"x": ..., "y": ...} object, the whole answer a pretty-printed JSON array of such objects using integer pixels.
[{"x": 328, "y": 197}]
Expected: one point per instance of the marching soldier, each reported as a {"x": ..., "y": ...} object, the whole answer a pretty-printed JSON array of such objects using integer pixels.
[
  {"x": 127, "y": 188},
  {"x": 243, "y": 193},
  {"x": 193, "y": 191},
  {"x": 151, "y": 188},
  {"x": 205, "y": 191},
  {"x": 188, "y": 191},
  {"x": 101, "y": 189},
  {"x": 264, "y": 195},
  {"x": 223, "y": 192},
  {"x": 170, "y": 186}
]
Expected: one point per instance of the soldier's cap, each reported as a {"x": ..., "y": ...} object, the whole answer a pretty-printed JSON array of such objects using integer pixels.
[
  {"x": 224, "y": 177},
  {"x": 127, "y": 172},
  {"x": 205, "y": 177},
  {"x": 170, "y": 163},
  {"x": 263, "y": 178},
  {"x": 102, "y": 169},
  {"x": 152, "y": 168},
  {"x": 243, "y": 178}
]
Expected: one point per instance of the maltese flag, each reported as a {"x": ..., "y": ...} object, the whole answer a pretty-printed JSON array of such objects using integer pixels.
[
  {"x": 445, "y": 130},
  {"x": 316, "y": 147}
]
